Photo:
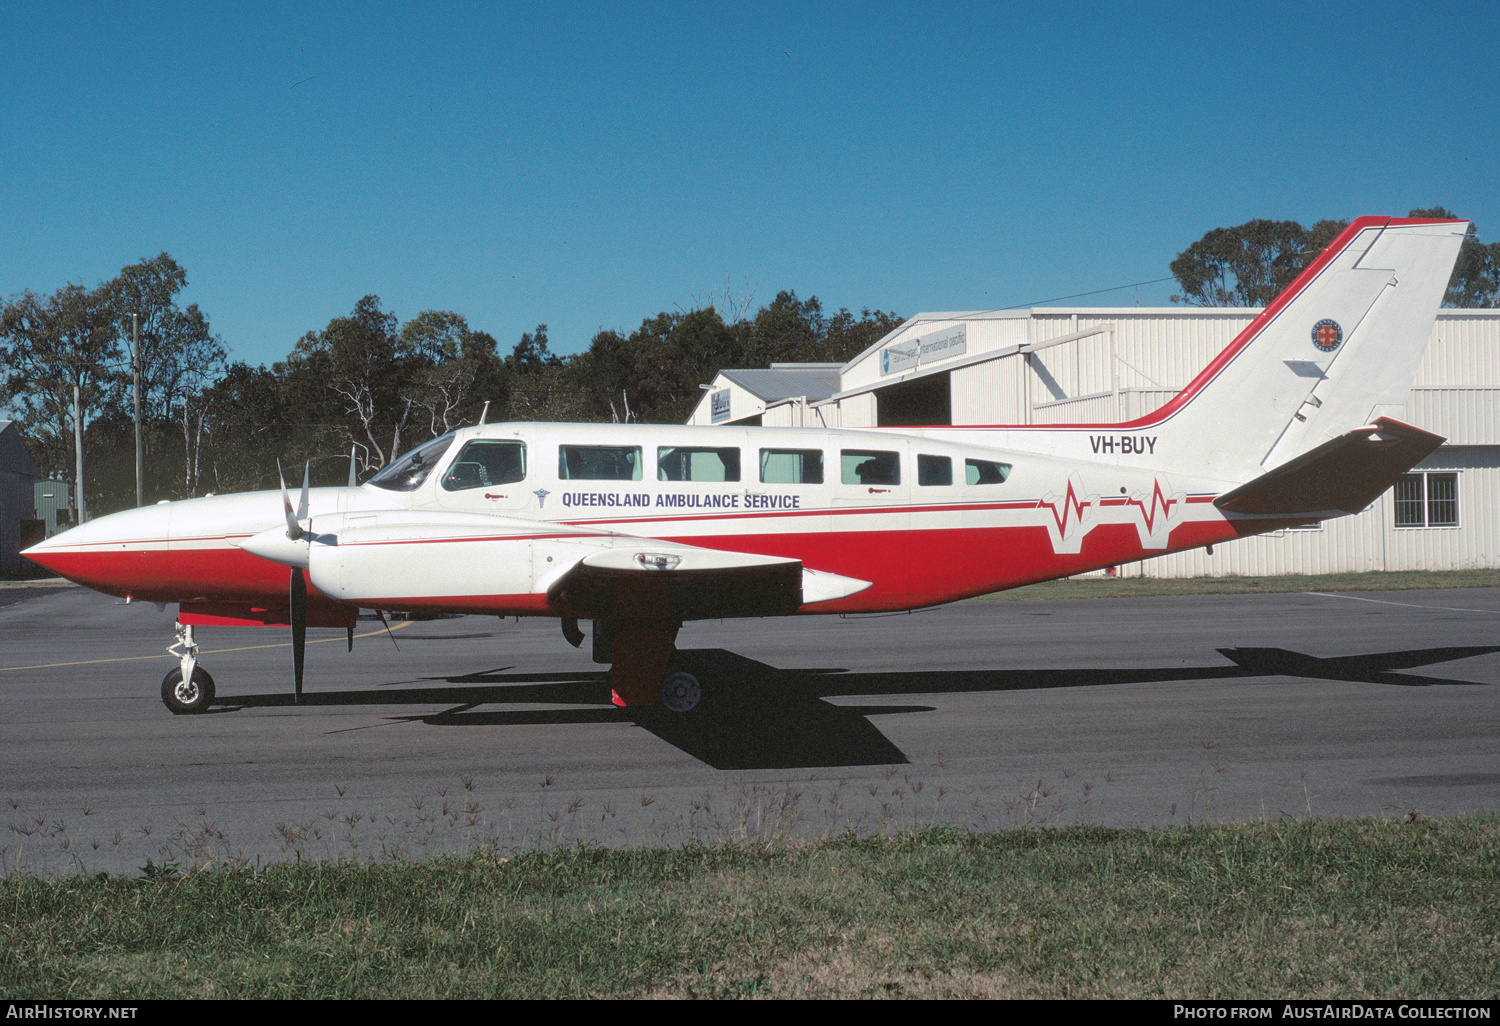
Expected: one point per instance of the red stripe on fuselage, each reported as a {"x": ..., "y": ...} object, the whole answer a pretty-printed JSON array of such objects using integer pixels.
[
  {"x": 908, "y": 568},
  {"x": 228, "y": 574}
]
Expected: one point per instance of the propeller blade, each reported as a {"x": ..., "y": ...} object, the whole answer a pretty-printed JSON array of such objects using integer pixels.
[
  {"x": 299, "y": 626},
  {"x": 351, "y": 639},
  {"x": 302, "y": 503},
  {"x": 353, "y": 477},
  {"x": 293, "y": 529}
]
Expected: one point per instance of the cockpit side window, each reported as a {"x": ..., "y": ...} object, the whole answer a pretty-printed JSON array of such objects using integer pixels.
[
  {"x": 482, "y": 463},
  {"x": 407, "y": 473}
]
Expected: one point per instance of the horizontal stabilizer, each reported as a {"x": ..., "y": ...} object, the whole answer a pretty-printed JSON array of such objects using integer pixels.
[{"x": 1344, "y": 474}]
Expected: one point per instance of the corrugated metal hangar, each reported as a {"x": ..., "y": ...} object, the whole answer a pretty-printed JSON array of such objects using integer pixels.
[{"x": 1108, "y": 365}]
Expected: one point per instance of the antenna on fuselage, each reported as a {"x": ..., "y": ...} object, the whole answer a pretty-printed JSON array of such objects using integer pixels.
[
  {"x": 484, "y": 412},
  {"x": 353, "y": 476}
]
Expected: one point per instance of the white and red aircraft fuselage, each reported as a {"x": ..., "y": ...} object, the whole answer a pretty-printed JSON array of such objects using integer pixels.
[{"x": 642, "y": 527}]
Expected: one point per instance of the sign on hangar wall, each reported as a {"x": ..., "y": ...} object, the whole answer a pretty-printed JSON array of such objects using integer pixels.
[
  {"x": 940, "y": 345},
  {"x": 719, "y": 405}
]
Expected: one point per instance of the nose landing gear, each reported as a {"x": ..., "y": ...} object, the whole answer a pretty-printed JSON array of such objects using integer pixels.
[
  {"x": 184, "y": 697},
  {"x": 189, "y": 688}
]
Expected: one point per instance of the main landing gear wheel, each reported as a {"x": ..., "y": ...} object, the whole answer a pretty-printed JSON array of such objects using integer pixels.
[
  {"x": 680, "y": 692},
  {"x": 187, "y": 697}
]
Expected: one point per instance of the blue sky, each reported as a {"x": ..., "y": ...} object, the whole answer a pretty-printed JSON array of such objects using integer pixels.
[{"x": 587, "y": 165}]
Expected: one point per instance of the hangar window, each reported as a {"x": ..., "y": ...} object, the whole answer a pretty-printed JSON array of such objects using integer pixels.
[
  {"x": 407, "y": 473},
  {"x": 870, "y": 467},
  {"x": 599, "y": 462},
  {"x": 791, "y": 466},
  {"x": 934, "y": 470},
  {"x": 486, "y": 463},
  {"x": 1427, "y": 500},
  {"x": 985, "y": 472},
  {"x": 680, "y": 463}
]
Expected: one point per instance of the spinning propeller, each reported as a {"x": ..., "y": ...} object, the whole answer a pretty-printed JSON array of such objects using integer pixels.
[
  {"x": 292, "y": 546},
  {"x": 298, "y": 596}
]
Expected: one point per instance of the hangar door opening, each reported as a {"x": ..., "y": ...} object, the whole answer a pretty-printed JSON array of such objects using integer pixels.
[{"x": 924, "y": 401}]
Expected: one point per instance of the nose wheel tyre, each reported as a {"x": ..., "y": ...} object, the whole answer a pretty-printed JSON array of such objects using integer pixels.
[
  {"x": 680, "y": 692},
  {"x": 187, "y": 697}
]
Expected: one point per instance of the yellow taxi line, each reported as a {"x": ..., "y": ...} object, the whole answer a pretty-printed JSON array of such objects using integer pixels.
[{"x": 206, "y": 651}]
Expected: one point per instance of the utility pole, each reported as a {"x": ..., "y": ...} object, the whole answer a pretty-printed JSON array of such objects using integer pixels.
[
  {"x": 78, "y": 450},
  {"x": 135, "y": 367}
]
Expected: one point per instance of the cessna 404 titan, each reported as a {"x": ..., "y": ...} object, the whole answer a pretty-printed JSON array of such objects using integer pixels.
[{"x": 640, "y": 528}]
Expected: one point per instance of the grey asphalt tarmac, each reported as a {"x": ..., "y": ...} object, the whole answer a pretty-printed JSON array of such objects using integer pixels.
[{"x": 1122, "y": 712}]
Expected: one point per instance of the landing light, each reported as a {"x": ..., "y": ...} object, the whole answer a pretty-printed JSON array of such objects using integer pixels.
[{"x": 658, "y": 560}]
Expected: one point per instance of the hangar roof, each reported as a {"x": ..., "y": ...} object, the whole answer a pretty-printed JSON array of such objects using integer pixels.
[{"x": 788, "y": 381}]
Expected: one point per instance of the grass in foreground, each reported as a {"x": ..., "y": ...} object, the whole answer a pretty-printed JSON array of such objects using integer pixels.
[
  {"x": 1292, "y": 909},
  {"x": 1129, "y": 587}
]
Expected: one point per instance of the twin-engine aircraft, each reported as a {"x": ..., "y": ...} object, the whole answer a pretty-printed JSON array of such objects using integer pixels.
[{"x": 639, "y": 528}]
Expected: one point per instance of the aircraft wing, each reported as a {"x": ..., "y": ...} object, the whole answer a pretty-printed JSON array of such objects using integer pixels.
[
  {"x": 637, "y": 577},
  {"x": 426, "y": 559},
  {"x": 1343, "y": 474}
]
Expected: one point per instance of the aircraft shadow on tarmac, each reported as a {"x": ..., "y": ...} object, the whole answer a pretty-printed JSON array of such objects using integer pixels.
[{"x": 755, "y": 716}]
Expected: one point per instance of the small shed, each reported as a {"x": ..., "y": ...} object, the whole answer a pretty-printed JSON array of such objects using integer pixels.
[
  {"x": 53, "y": 502},
  {"x": 765, "y": 396}
]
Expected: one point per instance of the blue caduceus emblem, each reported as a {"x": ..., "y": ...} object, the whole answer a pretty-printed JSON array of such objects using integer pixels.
[{"x": 1327, "y": 335}]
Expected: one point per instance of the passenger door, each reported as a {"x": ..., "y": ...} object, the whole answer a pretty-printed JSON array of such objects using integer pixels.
[{"x": 870, "y": 498}]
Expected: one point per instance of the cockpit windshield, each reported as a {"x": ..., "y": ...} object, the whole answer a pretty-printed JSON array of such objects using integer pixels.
[{"x": 407, "y": 473}]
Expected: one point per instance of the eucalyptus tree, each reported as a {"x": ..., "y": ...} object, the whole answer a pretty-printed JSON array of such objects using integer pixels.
[
  {"x": 362, "y": 367},
  {"x": 1250, "y": 264},
  {"x": 454, "y": 370},
  {"x": 178, "y": 354},
  {"x": 63, "y": 355}
]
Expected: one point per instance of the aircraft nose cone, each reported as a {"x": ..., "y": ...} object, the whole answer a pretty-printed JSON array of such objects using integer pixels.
[
  {"x": 107, "y": 554},
  {"x": 44, "y": 556},
  {"x": 61, "y": 552}
]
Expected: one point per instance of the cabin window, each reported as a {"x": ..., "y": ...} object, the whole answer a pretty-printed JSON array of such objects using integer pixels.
[
  {"x": 681, "y": 463},
  {"x": 482, "y": 463},
  {"x": 791, "y": 466},
  {"x": 599, "y": 462},
  {"x": 985, "y": 472},
  {"x": 870, "y": 467},
  {"x": 407, "y": 473},
  {"x": 934, "y": 470}
]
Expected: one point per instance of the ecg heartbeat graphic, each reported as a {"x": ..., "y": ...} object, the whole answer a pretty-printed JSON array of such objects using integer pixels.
[
  {"x": 1072, "y": 506},
  {"x": 1077, "y": 512},
  {"x": 1159, "y": 504}
]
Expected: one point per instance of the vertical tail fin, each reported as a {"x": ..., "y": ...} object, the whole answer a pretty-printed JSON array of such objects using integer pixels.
[{"x": 1338, "y": 349}]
